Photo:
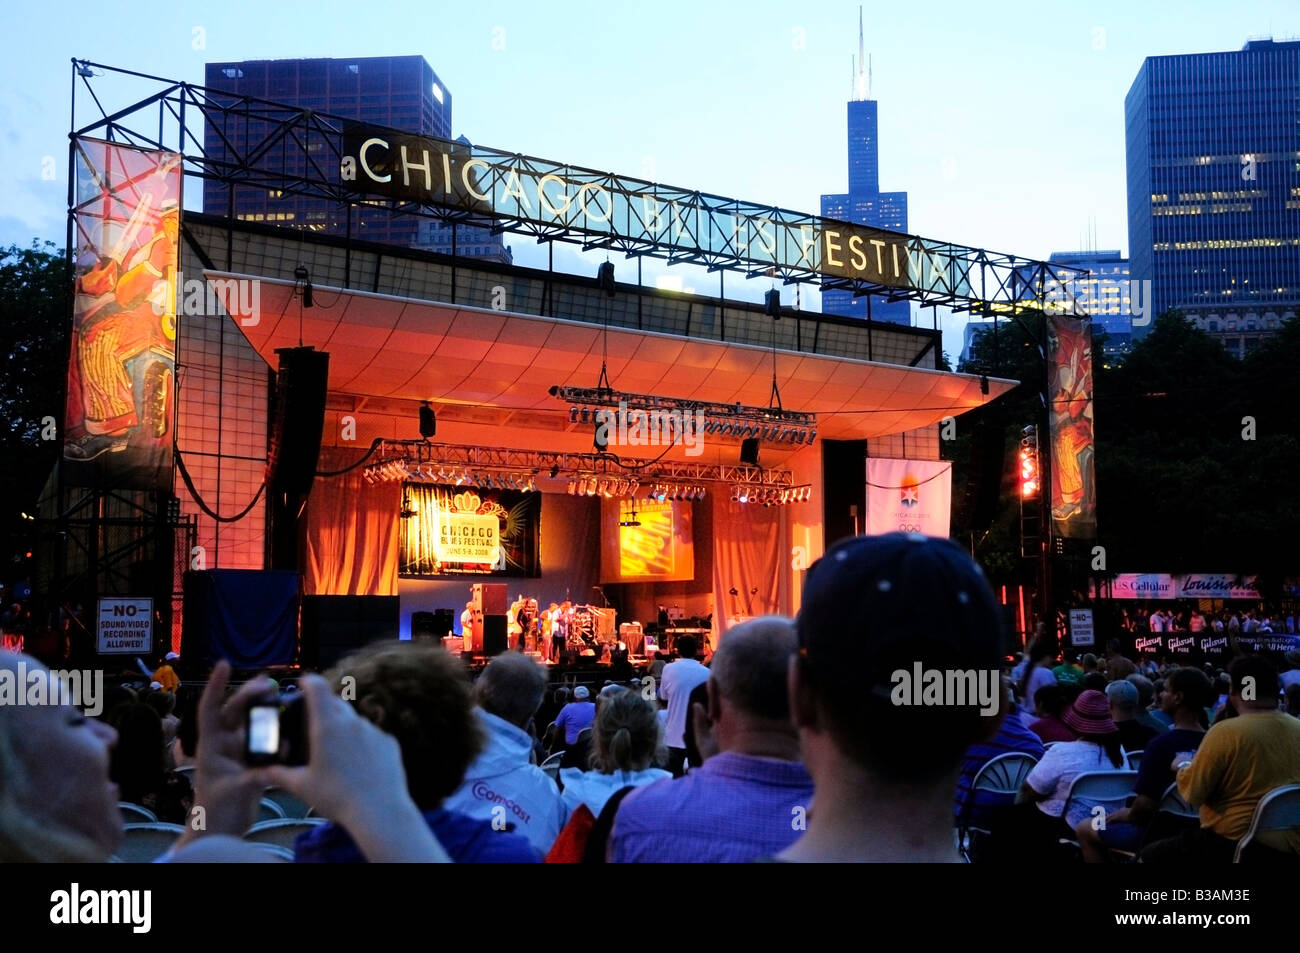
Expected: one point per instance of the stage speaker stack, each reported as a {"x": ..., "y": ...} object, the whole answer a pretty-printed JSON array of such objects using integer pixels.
[
  {"x": 336, "y": 626},
  {"x": 423, "y": 628},
  {"x": 987, "y": 466},
  {"x": 490, "y": 604},
  {"x": 299, "y": 421},
  {"x": 296, "y": 426}
]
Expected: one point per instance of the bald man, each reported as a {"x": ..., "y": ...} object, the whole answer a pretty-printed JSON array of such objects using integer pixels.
[{"x": 750, "y": 799}]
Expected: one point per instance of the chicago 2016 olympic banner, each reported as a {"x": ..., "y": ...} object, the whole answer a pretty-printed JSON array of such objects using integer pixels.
[
  {"x": 119, "y": 414},
  {"x": 909, "y": 496},
  {"x": 1069, "y": 394}
]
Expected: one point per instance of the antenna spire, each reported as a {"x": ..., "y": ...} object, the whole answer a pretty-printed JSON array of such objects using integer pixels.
[{"x": 862, "y": 83}]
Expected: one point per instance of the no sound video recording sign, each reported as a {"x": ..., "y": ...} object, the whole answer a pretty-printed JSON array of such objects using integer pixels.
[{"x": 125, "y": 626}]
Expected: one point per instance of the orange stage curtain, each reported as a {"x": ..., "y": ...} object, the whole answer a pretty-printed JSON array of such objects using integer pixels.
[
  {"x": 352, "y": 531},
  {"x": 746, "y": 555}
]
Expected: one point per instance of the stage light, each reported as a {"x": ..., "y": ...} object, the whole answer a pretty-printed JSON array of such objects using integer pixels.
[
  {"x": 555, "y": 471},
  {"x": 573, "y": 415},
  {"x": 585, "y": 416},
  {"x": 600, "y": 438},
  {"x": 573, "y": 487}
]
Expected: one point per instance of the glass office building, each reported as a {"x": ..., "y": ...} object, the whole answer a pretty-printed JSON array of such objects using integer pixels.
[
  {"x": 1213, "y": 152},
  {"x": 865, "y": 204},
  {"x": 401, "y": 92}
]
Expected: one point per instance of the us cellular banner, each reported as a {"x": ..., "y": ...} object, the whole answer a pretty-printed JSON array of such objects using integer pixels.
[
  {"x": 118, "y": 419},
  {"x": 908, "y": 496},
  {"x": 1069, "y": 390}
]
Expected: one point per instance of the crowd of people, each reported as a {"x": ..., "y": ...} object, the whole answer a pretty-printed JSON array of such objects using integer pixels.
[
  {"x": 1180, "y": 618},
  {"x": 789, "y": 743}
]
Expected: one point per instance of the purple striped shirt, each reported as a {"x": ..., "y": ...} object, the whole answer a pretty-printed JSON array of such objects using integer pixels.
[{"x": 732, "y": 809}]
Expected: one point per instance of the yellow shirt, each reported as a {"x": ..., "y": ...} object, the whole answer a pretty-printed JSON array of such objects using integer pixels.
[
  {"x": 1239, "y": 761},
  {"x": 167, "y": 678}
]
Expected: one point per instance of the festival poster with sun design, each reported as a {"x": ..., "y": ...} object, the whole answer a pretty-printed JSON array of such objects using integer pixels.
[{"x": 455, "y": 531}]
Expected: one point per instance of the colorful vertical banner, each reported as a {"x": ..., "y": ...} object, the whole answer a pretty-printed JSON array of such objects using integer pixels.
[
  {"x": 119, "y": 415},
  {"x": 1069, "y": 390},
  {"x": 908, "y": 496}
]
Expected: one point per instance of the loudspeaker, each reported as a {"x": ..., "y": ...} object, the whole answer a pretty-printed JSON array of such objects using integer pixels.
[
  {"x": 428, "y": 421},
  {"x": 444, "y": 621},
  {"x": 749, "y": 451},
  {"x": 422, "y": 623},
  {"x": 299, "y": 420},
  {"x": 987, "y": 465},
  {"x": 844, "y": 486},
  {"x": 490, "y": 598},
  {"x": 336, "y": 626},
  {"x": 494, "y": 634}
]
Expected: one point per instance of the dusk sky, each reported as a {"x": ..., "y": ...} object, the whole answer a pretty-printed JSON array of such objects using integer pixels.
[{"x": 1004, "y": 122}]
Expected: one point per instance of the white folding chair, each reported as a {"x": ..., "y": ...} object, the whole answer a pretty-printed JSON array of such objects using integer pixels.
[
  {"x": 1278, "y": 810},
  {"x": 552, "y": 766},
  {"x": 268, "y": 810},
  {"x": 1002, "y": 775},
  {"x": 135, "y": 814},
  {"x": 1110, "y": 789},
  {"x": 282, "y": 831},
  {"x": 143, "y": 843}
]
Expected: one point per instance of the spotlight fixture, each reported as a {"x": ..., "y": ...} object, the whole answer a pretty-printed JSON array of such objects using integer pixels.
[
  {"x": 630, "y": 522},
  {"x": 555, "y": 471}
]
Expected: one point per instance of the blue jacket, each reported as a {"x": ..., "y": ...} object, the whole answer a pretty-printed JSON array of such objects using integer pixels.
[{"x": 467, "y": 840}]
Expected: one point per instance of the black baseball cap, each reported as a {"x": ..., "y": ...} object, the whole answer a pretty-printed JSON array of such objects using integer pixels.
[{"x": 874, "y": 599}]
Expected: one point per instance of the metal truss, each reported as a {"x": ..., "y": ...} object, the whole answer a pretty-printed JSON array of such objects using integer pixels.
[
  {"x": 679, "y": 225},
  {"x": 420, "y": 461}
]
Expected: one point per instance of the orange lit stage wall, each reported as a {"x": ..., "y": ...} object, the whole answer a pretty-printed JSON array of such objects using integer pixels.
[
  {"x": 1074, "y": 477},
  {"x": 646, "y": 541},
  {"x": 119, "y": 415}
]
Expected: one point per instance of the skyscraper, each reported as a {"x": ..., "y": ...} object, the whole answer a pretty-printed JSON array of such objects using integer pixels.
[
  {"x": 401, "y": 92},
  {"x": 864, "y": 203},
  {"x": 1213, "y": 148}
]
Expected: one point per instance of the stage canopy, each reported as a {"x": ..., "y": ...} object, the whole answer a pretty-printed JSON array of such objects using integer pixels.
[{"x": 484, "y": 367}]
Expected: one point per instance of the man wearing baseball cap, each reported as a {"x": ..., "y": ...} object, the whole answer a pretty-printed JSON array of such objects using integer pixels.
[{"x": 885, "y": 760}]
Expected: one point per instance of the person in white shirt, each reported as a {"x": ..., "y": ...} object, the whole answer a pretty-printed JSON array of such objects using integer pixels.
[
  {"x": 1158, "y": 621},
  {"x": 675, "y": 686}
]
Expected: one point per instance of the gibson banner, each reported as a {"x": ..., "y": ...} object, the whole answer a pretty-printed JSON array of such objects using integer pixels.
[
  {"x": 450, "y": 531},
  {"x": 1069, "y": 394},
  {"x": 908, "y": 496},
  {"x": 118, "y": 418}
]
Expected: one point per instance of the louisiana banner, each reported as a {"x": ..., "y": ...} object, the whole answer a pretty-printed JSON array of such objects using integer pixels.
[
  {"x": 909, "y": 496},
  {"x": 452, "y": 531},
  {"x": 119, "y": 414},
  {"x": 1069, "y": 393}
]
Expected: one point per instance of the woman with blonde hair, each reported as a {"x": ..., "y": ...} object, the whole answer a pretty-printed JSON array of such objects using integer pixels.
[
  {"x": 58, "y": 804},
  {"x": 625, "y": 740}
]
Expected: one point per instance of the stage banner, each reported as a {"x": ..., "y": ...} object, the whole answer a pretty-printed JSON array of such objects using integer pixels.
[
  {"x": 119, "y": 414},
  {"x": 908, "y": 496},
  {"x": 1141, "y": 585},
  {"x": 451, "y": 531},
  {"x": 1197, "y": 585},
  {"x": 1074, "y": 478}
]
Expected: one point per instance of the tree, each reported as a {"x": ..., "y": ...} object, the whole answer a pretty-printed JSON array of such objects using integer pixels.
[{"x": 34, "y": 288}]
